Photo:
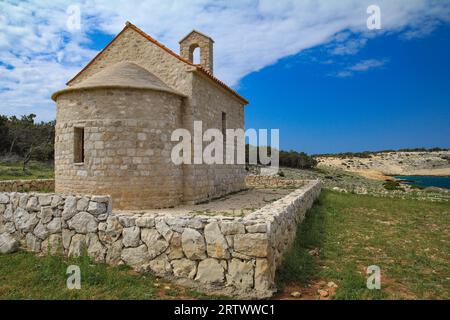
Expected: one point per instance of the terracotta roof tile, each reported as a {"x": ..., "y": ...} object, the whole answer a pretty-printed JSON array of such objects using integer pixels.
[{"x": 198, "y": 67}]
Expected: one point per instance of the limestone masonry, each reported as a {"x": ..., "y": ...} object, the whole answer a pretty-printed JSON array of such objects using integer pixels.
[
  {"x": 214, "y": 254},
  {"x": 115, "y": 119}
]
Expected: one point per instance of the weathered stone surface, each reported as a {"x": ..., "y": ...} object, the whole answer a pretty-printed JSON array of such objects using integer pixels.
[
  {"x": 160, "y": 265},
  {"x": 33, "y": 243},
  {"x": 77, "y": 245},
  {"x": 33, "y": 204},
  {"x": 46, "y": 214},
  {"x": 23, "y": 200},
  {"x": 193, "y": 244},
  {"x": 135, "y": 257},
  {"x": 54, "y": 226},
  {"x": 82, "y": 204},
  {"x": 96, "y": 208},
  {"x": 252, "y": 244},
  {"x": 145, "y": 222},
  {"x": 114, "y": 251},
  {"x": 83, "y": 222},
  {"x": 240, "y": 273},
  {"x": 184, "y": 268},
  {"x": 8, "y": 227},
  {"x": 2, "y": 208},
  {"x": 163, "y": 228},
  {"x": 95, "y": 249},
  {"x": 155, "y": 242},
  {"x": 231, "y": 227},
  {"x": 67, "y": 237},
  {"x": 41, "y": 231},
  {"x": 113, "y": 230},
  {"x": 210, "y": 271},
  {"x": 8, "y": 214},
  {"x": 4, "y": 198},
  {"x": 57, "y": 201},
  {"x": 127, "y": 221},
  {"x": 25, "y": 221},
  {"x": 45, "y": 200},
  {"x": 8, "y": 244},
  {"x": 175, "y": 247},
  {"x": 216, "y": 244},
  {"x": 257, "y": 228},
  {"x": 131, "y": 236},
  {"x": 103, "y": 199},
  {"x": 70, "y": 208},
  {"x": 52, "y": 245}
]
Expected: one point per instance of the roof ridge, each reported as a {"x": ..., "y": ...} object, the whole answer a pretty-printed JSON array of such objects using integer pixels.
[
  {"x": 200, "y": 33},
  {"x": 145, "y": 35}
]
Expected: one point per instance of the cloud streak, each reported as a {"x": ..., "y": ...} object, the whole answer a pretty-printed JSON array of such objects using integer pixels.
[{"x": 38, "y": 53}]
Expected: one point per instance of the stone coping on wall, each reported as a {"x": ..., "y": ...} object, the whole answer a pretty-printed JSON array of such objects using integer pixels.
[
  {"x": 27, "y": 185},
  {"x": 235, "y": 256}
]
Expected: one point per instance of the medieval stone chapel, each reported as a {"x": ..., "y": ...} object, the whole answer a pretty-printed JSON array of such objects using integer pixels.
[{"x": 115, "y": 118}]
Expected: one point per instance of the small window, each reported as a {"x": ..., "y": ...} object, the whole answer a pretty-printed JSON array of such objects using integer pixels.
[{"x": 78, "y": 146}]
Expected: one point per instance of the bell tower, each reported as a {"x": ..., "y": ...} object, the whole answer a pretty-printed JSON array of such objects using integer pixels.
[{"x": 195, "y": 40}]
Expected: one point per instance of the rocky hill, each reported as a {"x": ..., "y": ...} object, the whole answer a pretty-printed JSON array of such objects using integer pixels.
[{"x": 380, "y": 165}]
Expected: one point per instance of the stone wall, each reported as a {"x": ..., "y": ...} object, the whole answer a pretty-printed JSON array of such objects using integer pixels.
[
  {"x": 235, "y": 256},
  {"x": 258, "y": 181},
  {"x": 27, "y": 185},
  {"x": 127, "y": 148}
]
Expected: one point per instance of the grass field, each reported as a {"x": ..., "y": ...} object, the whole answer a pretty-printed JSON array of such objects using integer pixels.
[
  {"x": 24, "y": 275},
  {"x": 34, "y": 170},
  {"x": 342, "y": 235},
  {"x": 408, "y": 239}
]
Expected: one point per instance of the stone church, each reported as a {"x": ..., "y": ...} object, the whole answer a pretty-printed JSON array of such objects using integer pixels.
[{"x": 115, "y": 118}]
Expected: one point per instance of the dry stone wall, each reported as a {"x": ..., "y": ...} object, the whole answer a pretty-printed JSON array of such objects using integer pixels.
[
  {"x": 27, "y": 185},
  {"x": 215, "y": 254}
]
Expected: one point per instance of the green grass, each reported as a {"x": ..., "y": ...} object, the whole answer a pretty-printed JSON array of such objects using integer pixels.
[
  {"x": 407, "y": 239},
  {"x": 34, "y": 170},
  {"x": 26, "y": 276}
]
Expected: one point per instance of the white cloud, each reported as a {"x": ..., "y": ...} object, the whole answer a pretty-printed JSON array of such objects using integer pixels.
[
  {"x": 367, "y": 64},
  {"x": 249, "y": 35},
  {"x": 361, "y": 66}
]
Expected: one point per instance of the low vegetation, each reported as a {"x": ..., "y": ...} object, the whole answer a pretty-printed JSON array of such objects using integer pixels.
[
  {"x": 26, "y": 276},
  {"x": 345, "y": 233},
  {"x": 24, "y": 139},
  {"x": 290, "y": 159},
  {"x": 13, "y": 170}
]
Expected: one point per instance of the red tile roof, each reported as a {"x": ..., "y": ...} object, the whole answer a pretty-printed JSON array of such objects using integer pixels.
[{"x": 198, "y": 67}]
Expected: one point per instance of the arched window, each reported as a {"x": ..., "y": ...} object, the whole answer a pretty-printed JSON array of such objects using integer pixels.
[
  {"x": 194, "y": 53},
  {"x": 196, "y": 56}
]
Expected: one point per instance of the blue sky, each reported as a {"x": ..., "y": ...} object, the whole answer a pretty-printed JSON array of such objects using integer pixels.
[
  {"x": 404, "y": 103},
  {"x": 310, "y": 68}
]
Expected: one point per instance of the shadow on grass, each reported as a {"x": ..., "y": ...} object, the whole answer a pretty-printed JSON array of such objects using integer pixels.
[{"x": 298, "y": 264}]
